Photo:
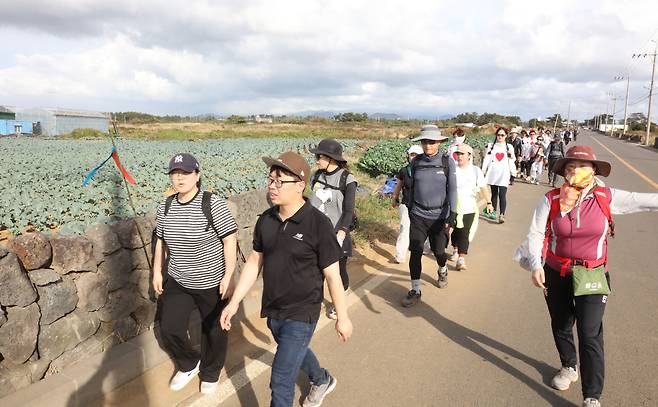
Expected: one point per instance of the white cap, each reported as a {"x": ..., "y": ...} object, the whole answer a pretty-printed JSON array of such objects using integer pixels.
[{"x": 415, "y": 149}]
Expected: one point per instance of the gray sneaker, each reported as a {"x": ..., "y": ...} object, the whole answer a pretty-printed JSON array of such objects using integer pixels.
[
  {"x": 443, "y": 277},
  {"x": 411, "y": 299},
  {"x": 319, "y": 392},
  {"x": 591, "y": 402},
  {"x": 564, "y": 378}
]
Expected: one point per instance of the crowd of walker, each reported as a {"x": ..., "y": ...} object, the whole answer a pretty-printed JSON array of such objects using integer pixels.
[{"x": 300, "y": 242}]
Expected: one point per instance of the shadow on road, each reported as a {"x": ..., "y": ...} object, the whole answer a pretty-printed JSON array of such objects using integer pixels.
[{"x": 474, "y": 341}]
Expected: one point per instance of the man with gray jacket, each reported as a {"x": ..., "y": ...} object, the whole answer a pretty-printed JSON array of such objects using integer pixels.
[{"x": 432, "y": 204}]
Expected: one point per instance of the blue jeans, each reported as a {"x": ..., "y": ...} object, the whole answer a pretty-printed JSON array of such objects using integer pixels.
[{"x": 292, "y": 353}]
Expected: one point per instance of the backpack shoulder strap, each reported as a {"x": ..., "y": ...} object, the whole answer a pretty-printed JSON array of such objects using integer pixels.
[
  {"x": 446, "y": 164},
  {"x": 603, "y": 197},
  {"x": 207, "y": 212},
  {"x": 489, "y": 148},
  {"x": 314, "y": 179},
  {"x": 343, "y": 181},
  {"x": 553, "y": 197},
  {"x": 168, "y": 203}
]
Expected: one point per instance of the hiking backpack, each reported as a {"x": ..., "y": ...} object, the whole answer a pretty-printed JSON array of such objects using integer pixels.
[
  {"x": 207, "y": 213},
  {"x": 411, "y": 170},
  {"x": 342, "y": 187}
]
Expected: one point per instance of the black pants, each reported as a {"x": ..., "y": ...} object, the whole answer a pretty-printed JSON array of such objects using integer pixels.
[
  {"x": 421, "y": 229},
  {"x": 459, "y": 236},
  {"x": 344, "y": 277},
  {"x": 552, "y": 177},
  {"x": 587, "y": 312},
  {"x": 178, "y": 303},
  {"x": 525, "y": 167},
  {"x": 497, "y": 193}
]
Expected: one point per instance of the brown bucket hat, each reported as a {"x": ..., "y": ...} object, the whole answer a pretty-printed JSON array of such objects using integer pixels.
[{"x": 582, "y": 153}]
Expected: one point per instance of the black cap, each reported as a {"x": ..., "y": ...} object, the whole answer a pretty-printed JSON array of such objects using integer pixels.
[
  {"x": 183, "y": 161},
  {"x": 331, "y": 148}
]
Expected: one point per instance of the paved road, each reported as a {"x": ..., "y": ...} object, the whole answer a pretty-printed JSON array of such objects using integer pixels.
[{"x": 486, "y": 340}]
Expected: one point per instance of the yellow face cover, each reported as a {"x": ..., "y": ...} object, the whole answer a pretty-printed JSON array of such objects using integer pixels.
[
  {"x": 582, "y": 177},
  {"x": 570, "y": 192}
]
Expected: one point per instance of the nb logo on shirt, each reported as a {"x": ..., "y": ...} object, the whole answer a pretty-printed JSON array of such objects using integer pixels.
[{"x": 299, "y": 237}]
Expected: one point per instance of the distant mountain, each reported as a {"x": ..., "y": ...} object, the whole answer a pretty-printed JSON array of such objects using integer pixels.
[
  {"x": 315, "y": 113},
  {"x": 385, "y": 116}
]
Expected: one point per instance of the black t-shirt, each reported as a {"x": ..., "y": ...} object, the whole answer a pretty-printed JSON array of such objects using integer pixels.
[
  {"x": 407, "y": 183},
  {"x": 295, "y": 252}
]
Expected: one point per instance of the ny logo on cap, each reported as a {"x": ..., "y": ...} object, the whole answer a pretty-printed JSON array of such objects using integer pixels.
[{"x": 178, "y": 159}]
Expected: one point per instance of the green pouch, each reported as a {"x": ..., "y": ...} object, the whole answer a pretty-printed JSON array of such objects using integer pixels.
[{"x": 589, "y": 281}]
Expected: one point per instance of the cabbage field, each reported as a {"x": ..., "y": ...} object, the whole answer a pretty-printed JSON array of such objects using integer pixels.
[{"x": 41, "y": 179}]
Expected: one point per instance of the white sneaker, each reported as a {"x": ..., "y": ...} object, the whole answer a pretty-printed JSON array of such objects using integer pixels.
[
  {"x": 209, "y": 387},
  {"x": 461, "y": 264},
  {"x": 591, "y": 402},
  {"x": 564, "y": 378},
  {"x": 331, "y": 312},
  {"x": 181, "y": 379},
  {"x": 455, "y": 256}
]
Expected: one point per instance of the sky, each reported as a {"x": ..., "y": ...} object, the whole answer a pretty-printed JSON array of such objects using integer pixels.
[{"x": 414, "y": 57}]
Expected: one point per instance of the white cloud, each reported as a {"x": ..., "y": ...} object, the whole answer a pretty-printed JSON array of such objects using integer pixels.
[{"x": 515, "y": 56}]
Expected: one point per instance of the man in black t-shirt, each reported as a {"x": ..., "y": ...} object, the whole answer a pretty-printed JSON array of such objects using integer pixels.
[{"x": 296, "y": 248}]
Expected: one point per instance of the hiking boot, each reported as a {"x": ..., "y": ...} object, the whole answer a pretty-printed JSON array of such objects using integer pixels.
[
  {"x": 319, "y": 392},
  {"x": 461, "y": 264},
  {"x": 209, "y": 387},
  {"x": 591, "y": 402},
  {"x": 443, "y": 277},
  {"x": 181, "y": 379},
  {"x": 455, "y": 256},
  {"x": 564, "y": 378},
  {"x": 411, "y": 299},
  {"x": 501, "y": 218},
  {"x": 331, "y": 312}
]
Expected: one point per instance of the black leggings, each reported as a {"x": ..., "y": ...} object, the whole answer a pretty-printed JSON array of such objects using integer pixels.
[
  {"x": 459, "y": 236},
  {"x": 498, "y": 192}
]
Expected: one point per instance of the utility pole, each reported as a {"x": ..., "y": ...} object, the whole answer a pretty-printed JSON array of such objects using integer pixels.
[
  {"x": 614, "y": 106},
  {"x": 568, "y": 116},
  {"x": 653, "y": 73},
  {"x": 628, "y": 83}
]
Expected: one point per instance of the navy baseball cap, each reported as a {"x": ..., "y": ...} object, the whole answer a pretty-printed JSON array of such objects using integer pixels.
[{"x": 183, "y": 161}]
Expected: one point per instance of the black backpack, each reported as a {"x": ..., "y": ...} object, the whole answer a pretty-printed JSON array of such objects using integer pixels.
[
  {"x": 205, "y": 207},
  {"x": 411, "y": 169},
  {"x": 342, "y": 187}
]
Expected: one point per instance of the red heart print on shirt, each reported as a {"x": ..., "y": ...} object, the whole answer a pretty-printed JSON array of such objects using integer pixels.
[{"x": 500, "y": 156}]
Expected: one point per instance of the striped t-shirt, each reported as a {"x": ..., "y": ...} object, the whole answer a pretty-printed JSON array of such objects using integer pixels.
[{"x": 196, "y": 256}]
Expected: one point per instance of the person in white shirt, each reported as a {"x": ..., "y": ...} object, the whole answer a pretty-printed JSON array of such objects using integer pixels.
[
  {"x": 498, "y": 166},
  {"x": 458, "y": 138},
  {"x": 470, "y": 181}
]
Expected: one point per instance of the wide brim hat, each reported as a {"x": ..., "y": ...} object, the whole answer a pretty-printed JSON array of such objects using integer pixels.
[
  {"x": 582, "y": 153},
  {"x": 331, "y": 148},
  {"x": 430, "y": 133}
]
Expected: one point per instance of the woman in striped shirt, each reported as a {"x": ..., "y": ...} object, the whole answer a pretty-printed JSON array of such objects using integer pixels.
[{"x": 197, "y": 238}]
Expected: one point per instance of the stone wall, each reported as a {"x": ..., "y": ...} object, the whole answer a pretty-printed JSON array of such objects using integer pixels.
[{"x": 63, "y": 298}]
